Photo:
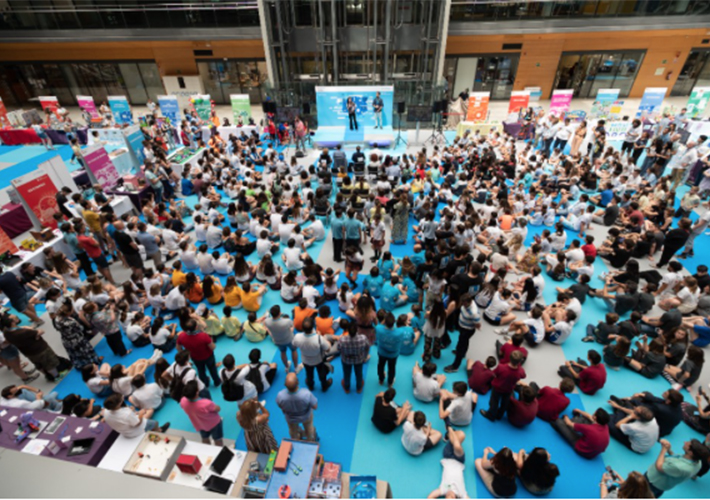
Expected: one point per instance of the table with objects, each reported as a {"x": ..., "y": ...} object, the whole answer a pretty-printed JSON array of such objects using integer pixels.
[
  {"x": 182, "y": 157},
  {"x": 53, "y": 429},
  {"x": 36, "y": 257},
  {"x": 482, "y": 128},
  {"x": 60, "y": 136},
  {"x": 18, "y": 136},
  {"x": 14, "y": 219},
  {"x": 225, "y": 132},
  {"x": 136, "y": 197}
]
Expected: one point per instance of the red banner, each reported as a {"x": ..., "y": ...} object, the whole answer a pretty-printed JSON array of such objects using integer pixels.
[
  {"x": 39, "y": 194},
  {"x": 3, "y": 115},
  {"x": 6, "y": 244},
  {"x": 478, "y": 106},
  {"x": 49, "y": 102},
  {"x": 518, "y": 99}
]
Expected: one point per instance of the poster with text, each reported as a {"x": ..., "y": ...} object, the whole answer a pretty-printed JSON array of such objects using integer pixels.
[
  {"x": 86, "y": 103},
  {"x": 651, "y": 102},
  {"x": 601, "y": 107},
  {"x": 241, "y": 107},
  {"x": 4, "y": 120},
  {"x": 49, "y": 102},
  {"x": 170, "y": 108},
  {"x": 535, "y": 93},
  {"x": 615, "y": 110},
  {"x": 101, "y": 166},
  {"x": 202, "y": 105},
  {"x": 561, "y": 101},
  {"x": 6, "y": 244},
  {"x": 518, "y": 99},
  {"x": 698, "y": 101},
  {"x": 134, "y": 137},
  {"x": 332, "y": 111},
  {"x": 37, "y": 190},
  {"x": 477, "y": 106},
  {"x": 121, "y": 109}
]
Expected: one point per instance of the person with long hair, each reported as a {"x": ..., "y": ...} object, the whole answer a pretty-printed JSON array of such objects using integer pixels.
[
  {"x": 74, "y": 339},
  {"x": 365, "y": 316},
  {"x": 498, "y": 473},
  {"x": 253, "y": 418},
  {"x": 434, "y": 330},
  {"x": 537, "y": 473},
  {"x": 212, "y": 290},
  {"x": 634, "y": 486}
]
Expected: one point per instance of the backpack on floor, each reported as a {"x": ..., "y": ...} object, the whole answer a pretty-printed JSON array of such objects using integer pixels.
[
  {"x": 254, "y": 376},
  {"x": 231, "y": 390}
]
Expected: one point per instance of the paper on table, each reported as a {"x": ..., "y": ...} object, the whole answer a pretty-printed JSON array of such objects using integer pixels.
[{"x": 36, "y": 446}]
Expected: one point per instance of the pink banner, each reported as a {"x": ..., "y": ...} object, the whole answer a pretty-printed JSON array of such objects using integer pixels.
[
  {"x": 560, "y": 102},
  {"x": 102, "y": 167},
  {"x": 86, "y": 103}
]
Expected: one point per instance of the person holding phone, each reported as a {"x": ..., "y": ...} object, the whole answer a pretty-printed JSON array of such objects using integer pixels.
[
  {"x": 377, "y": 106},
  {"x": 352, "y": 112}
]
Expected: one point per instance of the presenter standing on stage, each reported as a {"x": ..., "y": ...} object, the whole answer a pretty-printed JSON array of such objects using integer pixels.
[
  {"x": 377, "y": 105},
  {"x": 300, "y": 133},
  {"x": 352, "y": 112}
]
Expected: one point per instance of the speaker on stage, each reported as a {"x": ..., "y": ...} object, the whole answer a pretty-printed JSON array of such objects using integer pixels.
[
  {"x": 306, "y": 108},
  {"x": 401, "y": 107}
]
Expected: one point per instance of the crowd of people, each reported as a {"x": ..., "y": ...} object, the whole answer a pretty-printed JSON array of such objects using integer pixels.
[{"x": 471, "y": 271}]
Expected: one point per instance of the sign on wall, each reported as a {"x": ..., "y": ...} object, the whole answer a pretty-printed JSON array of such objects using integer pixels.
[
  {"x": 478, "y": 106},
  {"x": 241, "y": 107},
  {"x": 332, "y": 111},
  {"x": 121, "y": 109},
  {"x": 518, "y": 99}
]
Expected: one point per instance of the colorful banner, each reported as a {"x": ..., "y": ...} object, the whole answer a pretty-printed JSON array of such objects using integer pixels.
[
  {"x": 49, "y": 102},
  {"x": 38, "y": 190},
  {"x": 121, "y": 109},
  {"x": 4, "y": 120},
  {"x": 86, "y": 103},
  {"x": 535, "y": 93},
  {"x": 101, "y": 166},
  {"x": 602, "y": 104},
  {"x": 241, "y": 107},
  {"x": 651, "y": 102},
  {"x": 332, "y": 111},
  {"x": 518, "y": 99},
  {"x": 170, "y": 108},
  {"x": 202, "y": 105},
  {"x": 560, "y": 102},
  {"x": 134, "y": 138},
  {"x": 6, "y": 244},
  {"x": 615, "y": 110},
  {"x": 698, "y": 101},
  {"x": 477, "y": 106}
]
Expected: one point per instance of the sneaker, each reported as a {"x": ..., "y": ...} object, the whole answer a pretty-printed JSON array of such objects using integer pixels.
[
  {"x": 30, "y": 377},
  {"x": 392, "y": 384},
  {"x": 500, "y": 331},
  {"x": 360, "y": 388},
  {"x": 288, "y": 366},
  {"x": 163, "y": 428},
  {"x": 487, "y": 415},
  {"x": 298, "y": 368},
  {"x": 327, "y": 385},
  {"x": 382, "y": 381},
  {"x": 28, "y": 372},
  {"x": 451, "y": 369},
  {"x": 588, "y": 339}
]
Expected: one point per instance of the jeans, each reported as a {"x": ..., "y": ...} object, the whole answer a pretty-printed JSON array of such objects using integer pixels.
[
  {"x": 347, "y": 370},
  {"x": 85, "y": 263},
  {"x": 391, "y": 368},
  {"x": 498, "y": 405},
  {"x": 322, "y": 374},
  {"x": 462, "y": 346},
  {"x": 353, "y": 120},
  {"x": 203, "y": 366},
  {"x": 559, "y": 143},
  {"x": 378, "y": 119},
  {"x": 656, "y": 492},
  {"x": 51, "y": 399},
  {"x": 547, "y": 144},
  {"x": 303, "y": 431}
]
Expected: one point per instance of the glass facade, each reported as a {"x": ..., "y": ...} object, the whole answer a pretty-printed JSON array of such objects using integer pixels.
[
  {"x": 482, "y": 73},
  {"x": 136, "y": 80},
  {"x": 695, "y": 73},
  {"x": 586, "y": 73},
  {"x": 222, "y": 78}
]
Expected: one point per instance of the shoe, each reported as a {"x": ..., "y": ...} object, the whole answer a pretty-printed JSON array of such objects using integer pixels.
[
  {"x": 298, "y": 368},
  {"x": 392, "y": 384},
  {"x": 451, "y": 369},
  {"x": 163, "y": 428},
  {"x": 30, "y": 377},
  {"x": 342, "y": 382},
  {"x": 327, "y": 385},
  {"x": 382, "y": 381},
  {"x": 588, "y": 339},
  {"x": 487, "y": 415},
  {"x": 500, "y": 331},
  {"x": 288, "y": 366},
  {"x": 28, "y": 372},
  {"x": 359, "y": 389}
]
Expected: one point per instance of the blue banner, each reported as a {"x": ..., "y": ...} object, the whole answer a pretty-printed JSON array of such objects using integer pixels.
[
  {"x": 170, "y": 109},
  {"x": 332, "y": 110},
  {"x": 651, "y": 102},
  {"x": 121, "y": 109},
  {"x": 135, "y": 138}
]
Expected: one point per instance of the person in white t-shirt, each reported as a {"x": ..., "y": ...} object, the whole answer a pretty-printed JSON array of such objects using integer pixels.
[
  {"x": 453, "y": 466},
  {"x": 316, "y": 230},
  {"x": 418, "y": 436},
  {"x": 145, "y": 396},
  {"x": 224, "y": 264},
  {"x": 561, "y": 329},
  {"x": 457, "y": 407},
  {"x": 128, "y": 422},
  {"x": 636, "y": 428},
  {"x": 29, "y": 398},
  {"x": 292, "y": 256},
  {"x": 427, "y": 385}
]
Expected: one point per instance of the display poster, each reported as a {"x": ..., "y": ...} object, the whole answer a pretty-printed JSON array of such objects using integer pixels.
[
  {"x": 101, "y": 166},
  {"x": 6, "y": 244},
  {"x": 38, "y": 191},
  {"x": 332, "y": 110},
  {"x": 560, "y": 102},
  {"x": 535, "y": 93},
  {"x": 478, "y": 106},
  {"x": 651, "y": 102},
  {"x": 615, "y": 110},
  {"x": 121, "y": 109},
  {"x": 697, "y": 102},
  {"x": 170, "y": 108},
  {"x": 134, "y": 138},
  {"x": 4, "y": 120},
  {"x": 202, "y": 105},
  {"x": 86, "y": 103},
  {"x": 49, "y": 102},
  {"x": 601, "y": 107},
  {"x": 241, "y": 107},
  {"x": 518, "y": 99}
]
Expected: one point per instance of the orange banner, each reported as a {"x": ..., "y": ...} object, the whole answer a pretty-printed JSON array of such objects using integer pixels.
[
  {"x": 478, "y": 106},
  {"x": 6, "y": 244}
]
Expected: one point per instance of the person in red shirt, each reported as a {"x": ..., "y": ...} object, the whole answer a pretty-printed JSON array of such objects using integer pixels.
[
  {"x": 552, "y": 401},
  {"x": 514, "y": 344},
  {"x": 589, "y": 377},
  {"x": 93, "y": 250},
  {"x": 480, "y": 376},
  {"x": 524, "y": 410},
  {"x": 588, "y": 434},
  {"x": 201, "y": 348},
  {"x": 588, "y": 248},
  {"x": 503, "y": 385}
]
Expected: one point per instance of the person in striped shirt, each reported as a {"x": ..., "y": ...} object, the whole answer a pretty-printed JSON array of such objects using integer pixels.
[{"x": 469, "y": 322}]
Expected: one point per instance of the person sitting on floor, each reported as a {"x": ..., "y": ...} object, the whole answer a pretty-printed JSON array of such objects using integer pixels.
[
  {"x": 601, "y": 332},
  {"x": 635, "y": 428},
  {"x": 480, "y": 376},
  {"x": 589, "y": 377},
  {"x": 537, "y": 473},
  {"x": 523, "y": 411},
  {"x": 453, "y": 466},
  {"x": 417, "y": 435},
  {"x": 498, "y": 473},
  {"x": 386, "y": 415},
  {"x": 667, "y": 409},
  {"x": 588, "y": 434},
  {"x": 427, "y": 384},
  {"x": 457, "y": 407}
]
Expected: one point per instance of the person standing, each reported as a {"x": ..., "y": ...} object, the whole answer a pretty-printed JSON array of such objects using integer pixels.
[
  {"x": 675, "y": 240},
  {"x": 352, "y": 112},
  {"x": 698, "y": 228},
  {"x": 389, "y": 343},
  {"x": 300, "y": 131},
  {"x": 313, "y": 348},
  {"x": 11, "y": 287},
  {"x": 104, "y": 322},
  {"x": 280, "y": 328},
  {"x": 203, "y": 414},
  {"x": 377, "y": 105},
  {"x": 669, "y": 470},
  {"x": 253, "y": 418},
  {"x": 502, "y": 387},
  {"x": 354, "y": 352},
  {"x": 31, "y": 343},
  {"x": 201, "y": 348},
  {"x": 469, "y": 322},
  {"x": 74, "y": 338},
  {"x": 93, "y": 249},
  {"x": 337, "y": 225},
  {"x": 297, "y": 406}
]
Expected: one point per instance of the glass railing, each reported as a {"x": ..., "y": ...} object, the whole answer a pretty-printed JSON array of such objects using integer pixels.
[
  {"x": 496, "y": 10},
  {"x": 127, "y": 14}
]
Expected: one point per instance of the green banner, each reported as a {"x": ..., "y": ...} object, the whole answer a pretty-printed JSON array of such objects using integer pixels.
[
  {"x": 202, "y": 105},
  {"x": 241, "y": 107},
  {"x": 698, "y": 101}
]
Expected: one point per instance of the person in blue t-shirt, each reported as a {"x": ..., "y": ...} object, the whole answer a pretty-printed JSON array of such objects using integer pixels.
[
  {"x": 373, "y": 283},
  {"x": 417, "y": 319},
  {"x": 387, "y": 266},
  {"x": 389, "y": 344},
  {"x": 393, "y": 295},
  {"x": 417, "y": 257},
  {"x": 410, "y": 337},
  {"x": 354, "y": 230},
  {"x": 337, "y": 226},
  {"x": 414, "y": 296},
  {"x": 604, "y": 197}
]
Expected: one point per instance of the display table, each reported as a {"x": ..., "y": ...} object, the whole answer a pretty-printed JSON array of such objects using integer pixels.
[
  {"x": 207, "y": 453},
  {"x": 303, "y": 454},
  {"x": 122, "y": 205},
  {"x": 224, "y": 132},
  {"x": 483, "y": 128},
  {"x": 123, "y": 161},
  {"x": 60, "y": 136},
  {"x": 74, "y": 427},
  {"x": 81, "y": 177},
  {"x": 19, "y": 136},
  {"x": 14, "y": 220},
  {"x": 136, "y": 197},
  {"x": 37, "y": 257},
  {"x": 182, "y": 157}
]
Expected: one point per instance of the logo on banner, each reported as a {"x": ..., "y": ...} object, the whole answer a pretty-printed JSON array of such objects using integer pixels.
[
  {"x": 39, "y": 195},
  {"x": 102, "y": 167}
]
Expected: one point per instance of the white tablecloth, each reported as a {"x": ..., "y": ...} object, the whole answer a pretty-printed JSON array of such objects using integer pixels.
[
  {"x": 225, "y": 131},
  {"x": 37, "y": 258},
  {"x": 123, "y": 162},
  {"x": 122, "y": 205}
]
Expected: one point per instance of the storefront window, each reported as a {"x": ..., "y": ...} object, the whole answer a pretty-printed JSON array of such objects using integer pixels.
[
  {"x": 695, "y": 73},
  {"x": 487, "y": 73},
  {"x": 222, "y": 78},
  {"x": 586, "y": 73}
]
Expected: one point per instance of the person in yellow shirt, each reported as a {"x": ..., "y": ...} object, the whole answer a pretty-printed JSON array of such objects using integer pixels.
[
  {"x": 212, "y": 289},
  {"x": 253, "y": 330},
  {"x": 178, "y": 278},
  {"x": 232, "y": 326},
  {"x": 251, "y": 297},
  {"x": 92, "y": 218},
  {"x": 213, "y": 325},
  {"x": 232, "y": 293}
]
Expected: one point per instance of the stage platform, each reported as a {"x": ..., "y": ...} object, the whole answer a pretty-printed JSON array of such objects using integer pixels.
[{"x": 328, "y": 137}]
